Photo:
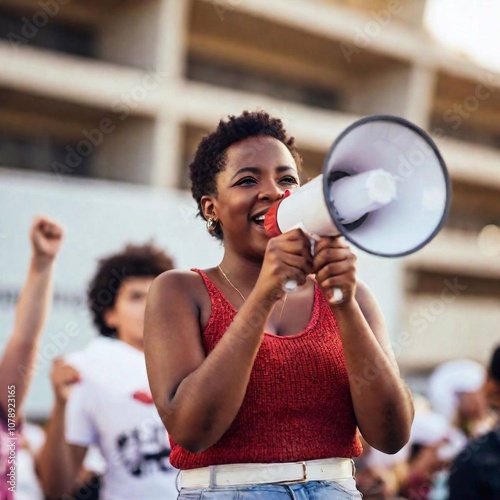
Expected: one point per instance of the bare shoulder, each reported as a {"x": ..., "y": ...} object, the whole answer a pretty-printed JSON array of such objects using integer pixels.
[
  {"x": 178, "y": 283},
  {"x": 173, "y": 298},
  {"x": 179, "y": 277},
  {"x": 177, "y": 303}
]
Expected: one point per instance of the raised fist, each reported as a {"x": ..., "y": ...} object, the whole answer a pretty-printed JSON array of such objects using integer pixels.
[{"x": 46, "y": 237}]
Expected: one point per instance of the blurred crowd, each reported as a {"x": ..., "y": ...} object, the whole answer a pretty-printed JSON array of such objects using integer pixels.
[
  {"x": 104, "y": 438},
  {"x": 454, "y": 447}
]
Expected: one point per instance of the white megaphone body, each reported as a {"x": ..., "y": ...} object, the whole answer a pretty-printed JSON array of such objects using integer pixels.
[{"x": 384, "y": 187}]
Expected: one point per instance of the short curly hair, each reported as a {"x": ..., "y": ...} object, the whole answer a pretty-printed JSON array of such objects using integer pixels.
[
  {"x": 210, "y": 156},
  {"x": 134, "y": 261}
]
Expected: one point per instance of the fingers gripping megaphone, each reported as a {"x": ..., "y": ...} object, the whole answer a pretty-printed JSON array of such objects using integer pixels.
[{"x": 384, "y": 187}]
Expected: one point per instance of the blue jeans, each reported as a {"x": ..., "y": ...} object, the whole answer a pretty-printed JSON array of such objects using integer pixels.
[{"x": 312, "y": 490}]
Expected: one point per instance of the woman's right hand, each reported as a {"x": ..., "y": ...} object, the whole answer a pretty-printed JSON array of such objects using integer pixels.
[{"x": 288, "y": 258}]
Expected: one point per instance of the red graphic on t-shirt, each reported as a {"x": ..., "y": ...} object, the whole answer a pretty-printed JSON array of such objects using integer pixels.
[{"x": 143, "y": 396}]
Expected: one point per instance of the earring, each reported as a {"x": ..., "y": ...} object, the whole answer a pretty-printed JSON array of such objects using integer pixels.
[{"x": 211, "y": 224}]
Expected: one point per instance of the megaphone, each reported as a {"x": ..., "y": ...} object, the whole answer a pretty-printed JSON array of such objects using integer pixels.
[{"x": 384, "y": 187}]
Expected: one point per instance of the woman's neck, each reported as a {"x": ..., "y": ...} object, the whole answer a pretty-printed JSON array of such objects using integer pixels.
[{"x": 242, "y": 272}]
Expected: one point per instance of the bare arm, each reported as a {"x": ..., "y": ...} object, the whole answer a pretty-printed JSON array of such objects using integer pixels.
[
  {"x": 58, "y": 463},
  {"x": 198, "y": 396},
  {"x": 16, "y": 365},
  {"x": 382, "y": 402}
]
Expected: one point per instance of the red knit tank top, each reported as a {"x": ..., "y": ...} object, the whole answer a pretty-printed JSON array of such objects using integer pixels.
[{"x": 297, "y": 405}]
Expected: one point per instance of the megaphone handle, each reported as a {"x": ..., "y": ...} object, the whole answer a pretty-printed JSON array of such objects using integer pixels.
[
  {"x": 290, "y": 285},
  {"x": 337, "y": 297}
]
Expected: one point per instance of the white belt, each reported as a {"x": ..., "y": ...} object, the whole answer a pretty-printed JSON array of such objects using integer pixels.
[{"x": 329, "y": 469}]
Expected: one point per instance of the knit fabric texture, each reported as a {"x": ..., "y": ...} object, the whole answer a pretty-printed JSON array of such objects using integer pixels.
[{"x": 297, "y": 405}]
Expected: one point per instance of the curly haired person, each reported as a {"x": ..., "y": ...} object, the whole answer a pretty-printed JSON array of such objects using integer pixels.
[{"x": 102, "y": 397}]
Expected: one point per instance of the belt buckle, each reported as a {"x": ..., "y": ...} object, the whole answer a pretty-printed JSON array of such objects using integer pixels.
[{"x": 304, "y": 472}]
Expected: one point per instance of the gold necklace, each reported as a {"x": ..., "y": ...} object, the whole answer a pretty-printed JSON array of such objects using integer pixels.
[
  {"x": 242, "y": 296},
  {"x": 230, "y": 282}
]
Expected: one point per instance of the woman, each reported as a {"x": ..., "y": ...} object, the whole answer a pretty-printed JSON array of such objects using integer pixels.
[{"x": 269, "y": 388}]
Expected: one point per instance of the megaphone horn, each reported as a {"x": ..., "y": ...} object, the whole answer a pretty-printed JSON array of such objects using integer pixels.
[{"x": 384, "y": 187}]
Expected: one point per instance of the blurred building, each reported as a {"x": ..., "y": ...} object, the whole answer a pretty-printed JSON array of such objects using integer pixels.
[{"x": 121, "y": 90}]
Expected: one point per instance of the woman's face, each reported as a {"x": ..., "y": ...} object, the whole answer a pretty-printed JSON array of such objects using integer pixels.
[{"x": 258, "y": 172}]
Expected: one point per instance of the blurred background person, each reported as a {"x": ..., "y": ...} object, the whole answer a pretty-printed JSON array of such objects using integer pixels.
[
  {"x": 378, "y": 475},
  {"x": 476, "y": 471},
  {"x": 434, "y": 442},
  {"x": 102, "y": 395},
  {"x": 455, "y": 391},
  {"x": 16, "y": 364}
]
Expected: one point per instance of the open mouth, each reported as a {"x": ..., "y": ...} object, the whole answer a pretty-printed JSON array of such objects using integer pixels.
[{"x": 259, "y": 220}]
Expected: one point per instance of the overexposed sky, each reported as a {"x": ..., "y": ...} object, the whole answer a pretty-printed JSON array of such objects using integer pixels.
[{"x": 469, "y": 26}]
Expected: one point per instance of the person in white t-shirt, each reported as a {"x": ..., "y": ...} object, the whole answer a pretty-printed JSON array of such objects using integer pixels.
[{"x": 102, "y": 392}]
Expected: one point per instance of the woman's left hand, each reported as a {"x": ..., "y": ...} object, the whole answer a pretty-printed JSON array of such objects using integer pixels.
[{"x": 335, "y": 267}]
